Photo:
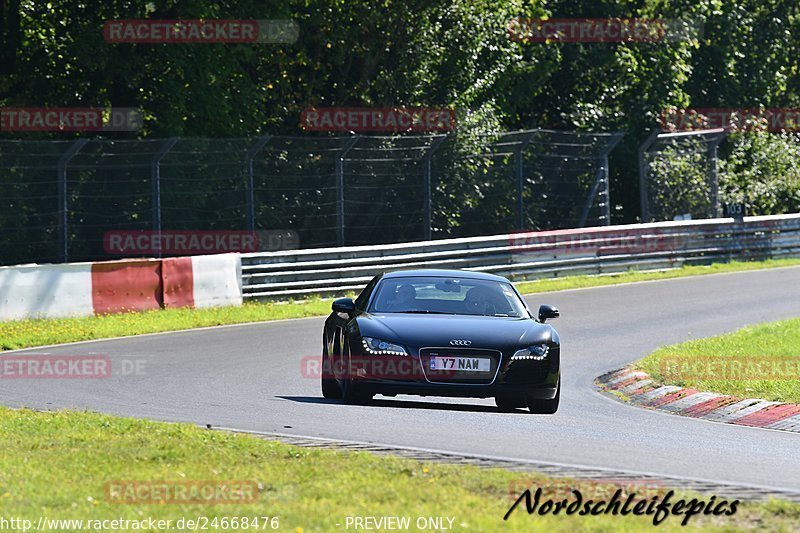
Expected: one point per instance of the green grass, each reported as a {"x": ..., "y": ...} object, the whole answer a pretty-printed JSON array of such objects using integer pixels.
[
  {"x": 579, "y": 282},
  {"x": 727, "y": 363},
  {"x": 40, "y": 332},
  {"x": 58, "y": 464}
]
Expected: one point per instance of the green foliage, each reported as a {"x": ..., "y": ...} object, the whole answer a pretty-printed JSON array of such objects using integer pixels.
[
  {"x": 416, "y": 52},
  {"x": 762, "y": 170},
  {"x": 679, "y": 182}
]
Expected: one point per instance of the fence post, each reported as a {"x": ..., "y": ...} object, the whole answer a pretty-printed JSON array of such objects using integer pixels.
[
  {"x": 615, "y": 139},
  {"x": 645, "y": 207},
  {"x": 716, "y": 206},
  {"x": 62, "y": 197},
  {"x": 340, "y": 186},
  {"x": 155, "y": 179},
  {"x": 590, "y": 198},
  {"x": 437, "y": 142},
  {"x": 520, "y": 169},
  {"x": 259, "y": 145},
  {"x": 606, "y": 190}
]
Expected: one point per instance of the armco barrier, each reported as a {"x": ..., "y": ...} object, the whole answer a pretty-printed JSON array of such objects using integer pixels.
[
  {"x": 83, "y": 289},
  {"x": 202, "y": 281},
  {"x": 528, "y": 255}
]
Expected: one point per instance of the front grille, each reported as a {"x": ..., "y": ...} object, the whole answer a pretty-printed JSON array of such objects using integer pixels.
[{"x": 456, "y": 375}]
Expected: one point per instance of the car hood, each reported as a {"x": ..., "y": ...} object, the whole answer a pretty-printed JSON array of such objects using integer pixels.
[{"x": 438, "y": 330}]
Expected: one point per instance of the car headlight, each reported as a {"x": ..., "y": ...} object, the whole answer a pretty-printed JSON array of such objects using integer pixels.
[
  {"x": 537, "y": 352},
  {"x": 382, "y": 347}
]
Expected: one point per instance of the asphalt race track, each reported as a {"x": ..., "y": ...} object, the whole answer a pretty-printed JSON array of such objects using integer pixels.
[{"x": 249, "y": 377}]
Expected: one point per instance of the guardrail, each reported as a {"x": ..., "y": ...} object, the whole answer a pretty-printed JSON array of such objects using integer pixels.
[{"x": 526, "y": 255}]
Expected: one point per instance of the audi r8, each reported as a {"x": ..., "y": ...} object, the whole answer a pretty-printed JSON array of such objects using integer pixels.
[{"x": 442, "y": 333}]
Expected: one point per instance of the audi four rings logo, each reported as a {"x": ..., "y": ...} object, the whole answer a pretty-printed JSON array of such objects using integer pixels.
[{"x": 459, "y": 342}]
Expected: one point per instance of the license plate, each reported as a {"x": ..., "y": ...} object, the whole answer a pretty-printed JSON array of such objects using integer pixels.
[{"x": 461, "y": 364}]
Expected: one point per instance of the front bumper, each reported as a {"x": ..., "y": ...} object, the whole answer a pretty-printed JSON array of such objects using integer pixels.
[
  {"x": 543, "y": 392},
  {"x": 410, "y": 375}
]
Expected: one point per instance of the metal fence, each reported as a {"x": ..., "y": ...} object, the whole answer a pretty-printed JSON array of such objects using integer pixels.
[
  {"x": 59, "y": 198},
  {"x": 526, "y": 255},
  {"x": 678, "y": 175}
]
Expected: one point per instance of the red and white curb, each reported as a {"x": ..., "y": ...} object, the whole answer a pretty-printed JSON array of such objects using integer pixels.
[{"x": 639, "y": 389}]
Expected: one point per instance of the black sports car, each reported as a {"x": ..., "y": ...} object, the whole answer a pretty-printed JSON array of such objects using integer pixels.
[{"x": 442, "y": 333}]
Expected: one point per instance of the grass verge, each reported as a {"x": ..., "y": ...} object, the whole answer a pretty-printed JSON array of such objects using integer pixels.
[
  {"x": 580, "y": 282},
  {"x": 62, "y": 465},
  {"x": 40, "y": 332},
  {"x": 761, "y": 361}
]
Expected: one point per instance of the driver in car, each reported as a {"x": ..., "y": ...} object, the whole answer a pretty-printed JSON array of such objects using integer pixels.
[
  {"x": 479, "y": 301},
  {"x": 404, "y": 299}
]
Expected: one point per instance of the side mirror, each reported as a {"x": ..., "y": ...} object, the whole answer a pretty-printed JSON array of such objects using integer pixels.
[
  {"x": 547, "y": 311},
  {"x": 344, "y": 305}
]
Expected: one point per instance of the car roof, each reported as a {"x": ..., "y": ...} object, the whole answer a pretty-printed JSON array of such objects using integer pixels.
[{"x": 436, "y": 273}]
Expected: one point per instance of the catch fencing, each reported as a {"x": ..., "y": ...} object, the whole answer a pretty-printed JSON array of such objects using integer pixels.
[
  {"x": 60, "y": 199},
  {"x": 527, "y": 255},
  {"x": 678, "y": 175}
]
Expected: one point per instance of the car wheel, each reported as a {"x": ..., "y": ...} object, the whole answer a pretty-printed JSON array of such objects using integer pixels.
[
  {"x": 545, "y": 407},
  {"x": 351, "y": 393},
  {"x": 330, "y": 389},
  {"x": 509, "y": 403}
]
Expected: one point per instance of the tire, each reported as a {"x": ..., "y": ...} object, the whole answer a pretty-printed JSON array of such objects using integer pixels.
[
  {"x": 351, "y": 393},
  {"x": 545, "y": 407},
  {"x": 330, "y": 389},
  {"x": 508, "y": 403}
]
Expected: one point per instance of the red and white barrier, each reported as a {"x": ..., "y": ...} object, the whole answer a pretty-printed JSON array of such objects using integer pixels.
[
  {"x": 46, "y": 290},
  {"x": 83, "y": 289},
  {"x": 217, "y": 280},
  {"x": 127, "y": 285}
]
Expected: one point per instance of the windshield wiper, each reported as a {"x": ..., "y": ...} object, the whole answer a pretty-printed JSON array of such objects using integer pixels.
[{"x": 425, "y": 311}]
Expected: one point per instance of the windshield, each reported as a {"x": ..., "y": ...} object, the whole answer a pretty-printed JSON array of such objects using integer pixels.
[{"x": 456, "y": 296}]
